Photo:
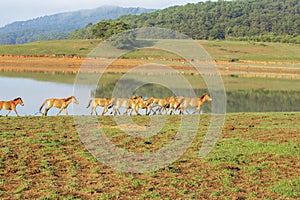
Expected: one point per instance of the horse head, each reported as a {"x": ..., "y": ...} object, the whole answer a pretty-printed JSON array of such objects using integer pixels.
[
  {"x": 19, "y": 100},
  {"x": 74, "y": 100},
  {"x": 206, "y": 97}
]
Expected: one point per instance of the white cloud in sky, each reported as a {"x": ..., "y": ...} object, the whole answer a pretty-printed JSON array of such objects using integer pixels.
[{"x": 19, "y": 10}]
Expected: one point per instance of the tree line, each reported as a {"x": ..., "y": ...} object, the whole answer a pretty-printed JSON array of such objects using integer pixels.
[{"x": 256, "y": 20}]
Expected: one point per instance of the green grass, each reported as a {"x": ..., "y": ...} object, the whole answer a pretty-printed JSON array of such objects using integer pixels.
[
  {"x": 43, "y": 158},
  {"x": 51, "y": 48},
  {"x": 255, "y": 51},
  {"x": 219, "y": 50},
  {"x": 288, "y": 188}
]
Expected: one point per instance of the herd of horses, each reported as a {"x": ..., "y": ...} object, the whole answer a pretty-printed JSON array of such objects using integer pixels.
[{"x": 135, "y": 103}]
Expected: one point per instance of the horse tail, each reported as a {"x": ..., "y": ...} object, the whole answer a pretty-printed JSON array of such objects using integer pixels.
[
  {"x": 40, "y": 110},
  {"x": 89, "y": 103}
]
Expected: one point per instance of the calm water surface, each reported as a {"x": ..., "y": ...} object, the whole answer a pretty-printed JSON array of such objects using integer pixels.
[{"x": 35, "y": 92}]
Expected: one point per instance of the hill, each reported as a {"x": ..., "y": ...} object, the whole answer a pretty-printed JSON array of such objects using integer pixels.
[
  {"x": 264, "y": 20},
  {"x": 58, "y": 26}
]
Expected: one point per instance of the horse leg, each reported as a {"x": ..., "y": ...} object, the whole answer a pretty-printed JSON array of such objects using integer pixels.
[
  {"x": 104, "y": 110},
  {"x": 47, "y": 109},
  {"x": 8, "y": 113},
  {"x": 163, "y": 109},
  {"x": 199, "y": 109},
  {"x": 115, "y": 111},
  {"x": 118, "y": 111},
  {"x": 66, "y": 111},
  {"x": 137, "y": 111},
  {"x": 158, "y": 110},
  {"x": 92, "y": 110},
  {"x": 148, "y": 109},
  {"x": 126, "y": 111},
  {"x": 151, "y": 109},
  {"x": 182, "y": 111},
  {"x": 130, "y": 113},
  {"x": 60, "y": 110},
  {"x": 16, "y": 112},
  {"x": 95, "y": 110}
]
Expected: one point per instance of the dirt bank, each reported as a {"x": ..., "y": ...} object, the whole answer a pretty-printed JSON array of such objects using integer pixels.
[{"x": 72, "y": 65}]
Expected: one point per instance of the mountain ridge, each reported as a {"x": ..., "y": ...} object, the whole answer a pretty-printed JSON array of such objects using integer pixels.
[{"x": 59, "y": 25}]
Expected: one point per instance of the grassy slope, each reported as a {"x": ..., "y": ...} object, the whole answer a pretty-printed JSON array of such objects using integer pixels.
[
  {"x": 219, "y": 50},
  {"x": 256, "y": 156},
  {"x": 226, "y": 50},
  {"x": 50, "y": 48}
]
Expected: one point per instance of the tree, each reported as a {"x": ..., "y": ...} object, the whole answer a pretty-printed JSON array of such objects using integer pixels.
[{"x": 108, "y": 28}]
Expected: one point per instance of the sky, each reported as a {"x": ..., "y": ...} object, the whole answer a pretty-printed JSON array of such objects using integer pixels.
[{"x": 20, "y": 10}]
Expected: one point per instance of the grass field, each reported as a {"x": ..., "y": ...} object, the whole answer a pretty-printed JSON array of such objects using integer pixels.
[
  {"x": 51, "y": 48},
  {"x": 256, "y": 157},
  {"x": 256, "y": 51},
  {"x": 219, "y": 50}
]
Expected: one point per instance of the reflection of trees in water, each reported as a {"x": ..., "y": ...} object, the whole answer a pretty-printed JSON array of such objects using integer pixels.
[
  {"x": 256, "y": 100},
  {"x": 260, "y": 100}
]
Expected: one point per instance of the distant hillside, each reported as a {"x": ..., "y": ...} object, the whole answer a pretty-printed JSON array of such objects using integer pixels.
[
  {"x": 259, "y": 20},
  {"x": 59, "y": 26}
]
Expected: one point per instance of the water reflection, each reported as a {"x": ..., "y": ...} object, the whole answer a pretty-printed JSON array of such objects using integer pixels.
[
  {"x": 251, "y": 100},
  {"x": 35, "y": 92}
]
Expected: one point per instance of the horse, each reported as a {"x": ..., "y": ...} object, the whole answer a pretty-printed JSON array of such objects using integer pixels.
[
  {"x": 147, "y": 104},
  {"x": 140, "y": 103},
  {"x": 174, "y": 103},
  {"x": 162, "y": 103},
  {"x": 194, "y": 102},
  {"x": 11, "y": 105},
  {"x": 129, "y": 104},
  {"x": 62, "y": 104},
  {"x": 102, "y": 102}
]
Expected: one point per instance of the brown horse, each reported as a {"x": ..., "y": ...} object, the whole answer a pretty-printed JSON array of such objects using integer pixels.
[
  {"x": 194, "y": 102},
  {"x": 62, "y": 104},
  {"x": 11, "y": 105},
  {"x": 102, "y": 102}
]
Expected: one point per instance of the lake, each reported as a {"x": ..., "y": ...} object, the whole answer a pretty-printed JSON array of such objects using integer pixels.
[{"x": 34, "y": 92}]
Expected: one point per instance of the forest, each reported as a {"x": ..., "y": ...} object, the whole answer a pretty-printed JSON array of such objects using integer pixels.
[{"x": 256, "y": 20}]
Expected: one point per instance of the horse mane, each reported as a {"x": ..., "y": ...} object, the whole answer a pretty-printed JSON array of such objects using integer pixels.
[
  {"x": 67, "y": 99},
  {"x": 18, "y": 98},
  {"x": 202, "y": 97}
]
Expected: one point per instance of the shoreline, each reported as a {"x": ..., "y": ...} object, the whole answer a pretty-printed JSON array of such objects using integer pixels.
[{"x": 72, "y": 65}]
